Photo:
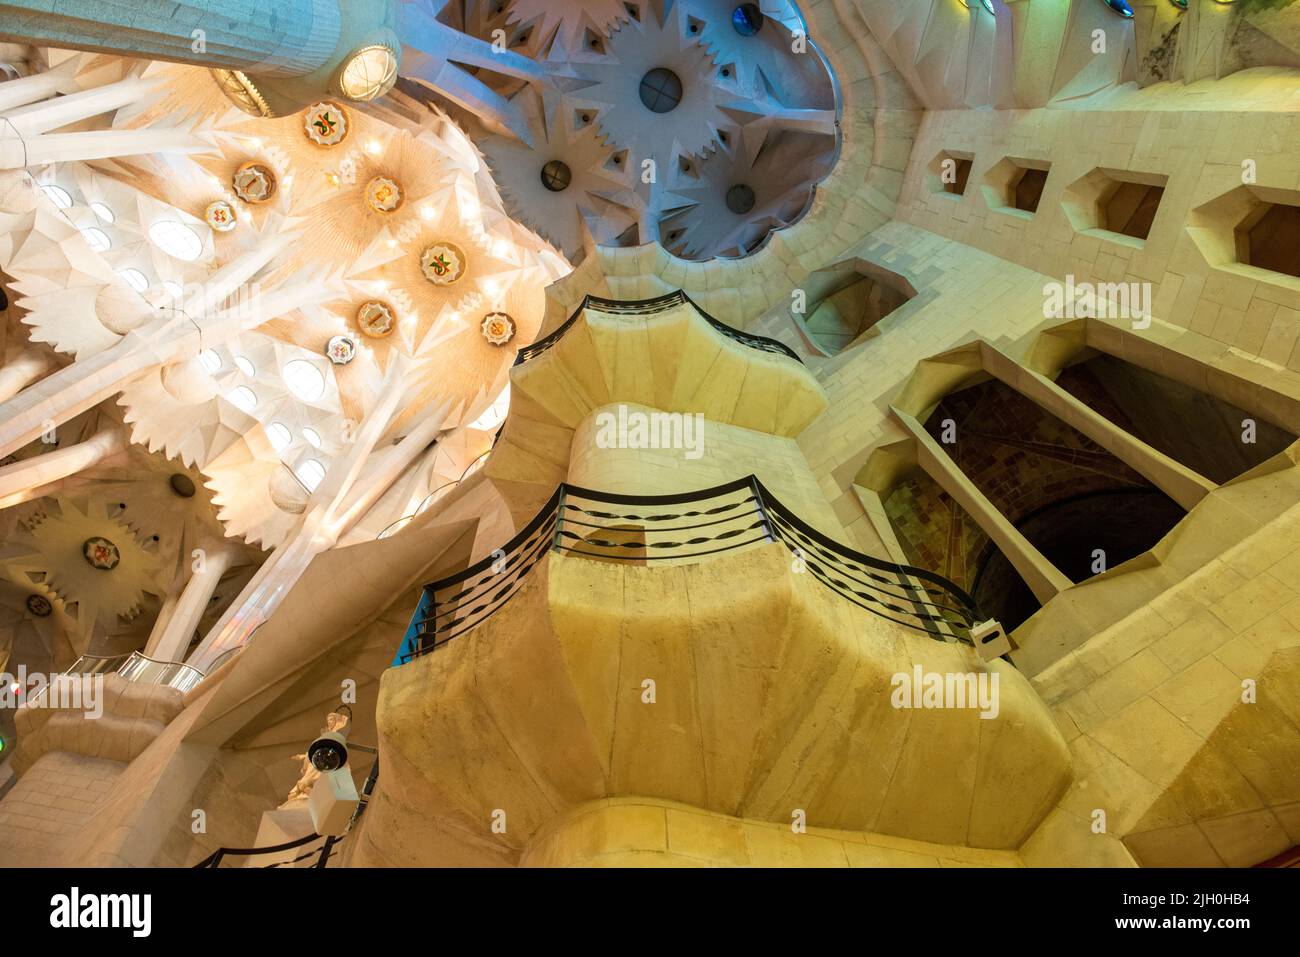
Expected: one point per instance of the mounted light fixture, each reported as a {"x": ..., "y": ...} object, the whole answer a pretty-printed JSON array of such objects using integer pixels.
[
  {"x": 326, "y": 124},
  {"x": 254, "y": 183},
  {"x": 376, "y": 318},
  {"x": 369, "y": 73},
  {"x": 383, "y": 194},
  {"x": 221, "y": 216},
  {"x": 1121, "y": 7}
]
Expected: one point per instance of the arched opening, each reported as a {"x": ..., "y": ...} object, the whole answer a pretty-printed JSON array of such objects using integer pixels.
[
  {"x": 1082, "y": 536},
  {"x": 1224, "y": 442}
]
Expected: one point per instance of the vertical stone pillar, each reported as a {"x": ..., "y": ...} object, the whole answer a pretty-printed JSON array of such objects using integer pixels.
[{"x": 170, "y": 641}]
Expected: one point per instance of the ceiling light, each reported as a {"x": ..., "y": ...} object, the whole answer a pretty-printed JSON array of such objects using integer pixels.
[
  {"x": 303, "y": 379},
  {"x": 369, "y": 73},
  {"x": 97, "y": 239},
  {"x": 176, "y": 239},
  {"x": 242, "y": 398},
  {"x": 135, "y": 278},
  {"x": 279, "y": 435},
  {"x": 59, "y": 196},
  {"x": 310, "y": 474}
]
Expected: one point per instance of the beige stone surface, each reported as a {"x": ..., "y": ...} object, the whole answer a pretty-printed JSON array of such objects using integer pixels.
[
  {"x": 644, "y": 832},
  {"x": 805, "y": 720}
]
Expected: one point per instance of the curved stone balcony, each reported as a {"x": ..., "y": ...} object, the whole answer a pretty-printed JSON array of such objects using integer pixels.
[
  {"x": 740, "y": 680},
  {"x": 668, "y": 354}
]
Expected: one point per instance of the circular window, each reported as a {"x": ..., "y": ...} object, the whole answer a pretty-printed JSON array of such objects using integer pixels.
[
  {"x": 303, "y": 379},
  {"x": 556, "y": 176},
  {"x": 103, "y": 212},
  {"x": 59, "y": 196},
  {"x": 312, "y": 437},
  {"x": 661, "y": 90},
  {"x": 210, "y": 360},
  {"x": 176, "y": 290},
  {"x": 135, "y": 279},
  {"x": 747, "y": 19},
  {"x": 242, "y": 398},
  {"x": 182, "y": 485},
  {"x": 245, "y": 366},
  {"x": 176, "y": 239},
  {"x": 279, "y": 435},
  {"x": 97, "y": 239},
  {"x": 740, "y": 199},
  {"x": 310, "y": 474}
]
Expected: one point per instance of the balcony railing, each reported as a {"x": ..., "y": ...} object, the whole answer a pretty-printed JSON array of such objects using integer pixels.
[
  {"x": 173, "y": 674},
  {"x": 321, "y": 852},
  {"x": 682, "y": 528},
  {"x": 650, "y": 307}
]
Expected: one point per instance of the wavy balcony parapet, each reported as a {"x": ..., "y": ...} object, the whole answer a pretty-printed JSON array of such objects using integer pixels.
[{"x": 683, "y": 528}]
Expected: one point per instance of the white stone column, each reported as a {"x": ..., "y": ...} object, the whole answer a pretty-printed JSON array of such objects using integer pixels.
[
  {"x": 21, "y": 371},
  {"x": 41, "y": 117},
  {"x": 23, "y": 481},
  {"x": 341, "y": 499},
  {"x": 23, "y": 152},
  {"x": 87, "y": 382},
  {"x": 161, "y": 341},
  {"x": 172, "y": 640},
  {"x": 38, "y": 86}
]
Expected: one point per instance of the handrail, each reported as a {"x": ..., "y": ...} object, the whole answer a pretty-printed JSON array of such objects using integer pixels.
[
  {"x": 646, "y": 307},
  {"x": 646, "y": 528},
  {"x": 174, "y": 674},
  {"x": 214, "y": 859}
]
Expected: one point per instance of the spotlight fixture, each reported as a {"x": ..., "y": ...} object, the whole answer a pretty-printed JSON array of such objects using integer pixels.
[
  {"x": 340, "y": 350},
  {"x": 369, "y": 73}
]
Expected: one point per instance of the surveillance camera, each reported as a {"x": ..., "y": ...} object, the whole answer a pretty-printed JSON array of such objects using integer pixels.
[{"x": 329, "y": 752}]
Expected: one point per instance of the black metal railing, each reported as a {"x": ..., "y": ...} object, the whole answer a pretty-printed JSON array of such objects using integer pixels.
[
  {"x": 650, "y": 307},
  {"x": 322, "y": 853},
  {"x": 682, "y": 527}
]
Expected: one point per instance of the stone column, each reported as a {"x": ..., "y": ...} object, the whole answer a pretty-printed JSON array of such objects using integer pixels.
[
  {"x": 170, "y": 641},
  {"x": 285, "y": 38},
  {"x": 157, "y": 342},
  {"x": 21, "y": 371},
  {"x": 341, "y": 500},
  {"x": 25, "y": 480}
]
